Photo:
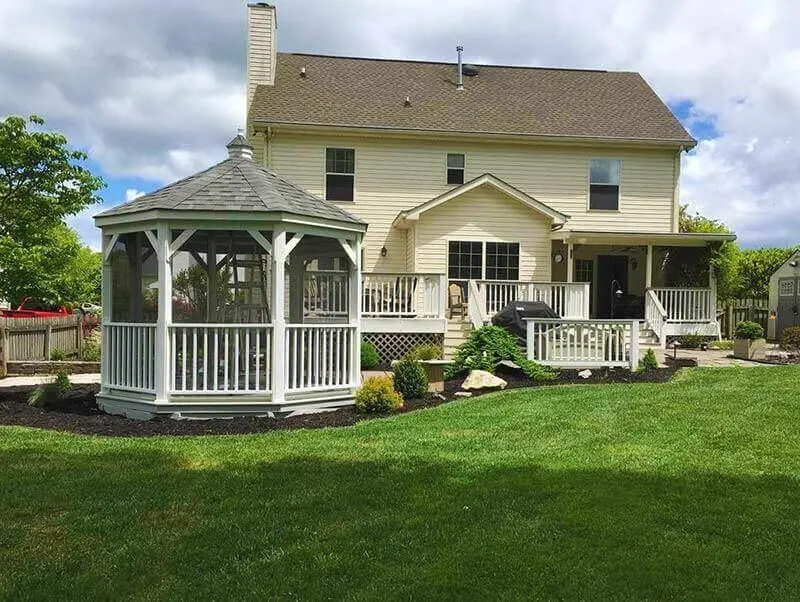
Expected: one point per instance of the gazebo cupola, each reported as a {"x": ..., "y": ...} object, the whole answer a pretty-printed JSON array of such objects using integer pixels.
[{"x": 205, "y": 297}]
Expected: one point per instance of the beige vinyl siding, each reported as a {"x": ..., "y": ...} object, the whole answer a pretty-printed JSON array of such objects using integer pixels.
[
  {"x": 261, "y": 51},
  {"x": 395, "y": 174},
  {"x": 485, "y": 214}
]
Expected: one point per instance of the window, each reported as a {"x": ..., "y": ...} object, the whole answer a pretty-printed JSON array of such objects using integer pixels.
[
  {"x": 502, "y": 261},
  {"x": 786, "y": 288},
  {"x": 604, "y": 184},
  {"x": 340, "y": 169},
  {"x": 584, "y": 270},
  {"x": 465, "y": 260},
  {"x": 455, "y": 168}
]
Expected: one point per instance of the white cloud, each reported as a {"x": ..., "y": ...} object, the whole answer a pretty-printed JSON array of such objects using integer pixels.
[
  {"x": 131, "y": 194},
  {"x": 155, "y": 89}
]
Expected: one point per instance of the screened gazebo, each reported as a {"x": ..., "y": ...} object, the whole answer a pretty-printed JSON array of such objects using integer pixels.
[{"x": 207, "y": 304}]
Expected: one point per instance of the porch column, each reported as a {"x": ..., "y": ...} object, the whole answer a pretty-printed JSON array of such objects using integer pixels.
[
  {"x": 277, "y": 295},
  {"x": 354, "y": 313},
  {"x": 163, "y": 356},
  {"x": 106, "y": 301},
  {"x": 648, "y": 277},
  {"x": 570, "y": 263}
]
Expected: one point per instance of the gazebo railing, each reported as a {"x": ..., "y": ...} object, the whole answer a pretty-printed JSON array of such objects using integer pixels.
[
  {"x": 319, "y": 356},
  {"x": 129, "y": 356},
  {"x": 220, "y": 358}
]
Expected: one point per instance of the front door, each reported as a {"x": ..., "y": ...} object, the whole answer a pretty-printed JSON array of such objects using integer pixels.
[
  {"x": 612, "y": 272},
  {"x": 788, "y": 304}
]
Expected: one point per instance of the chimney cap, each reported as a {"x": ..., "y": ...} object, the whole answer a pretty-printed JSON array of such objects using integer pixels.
[{"x": 239, "y": 147}]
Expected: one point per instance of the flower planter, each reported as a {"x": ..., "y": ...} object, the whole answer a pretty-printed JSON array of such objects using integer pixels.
[
  {"x": 749, "y": 349},
  {"x": 435, "y": 371}
]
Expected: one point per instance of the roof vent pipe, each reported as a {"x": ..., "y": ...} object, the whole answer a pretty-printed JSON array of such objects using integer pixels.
[{"x": 459, "y": 73}]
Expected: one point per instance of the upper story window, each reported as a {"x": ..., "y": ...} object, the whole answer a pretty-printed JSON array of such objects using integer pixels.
[
  {"x": 340, "y": 170},
  {"x": 604, "y": 184},
  {"x": 455, "y": 168}
]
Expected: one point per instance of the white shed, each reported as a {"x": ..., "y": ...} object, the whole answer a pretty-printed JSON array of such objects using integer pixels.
[{"x": 784, "y": 297}]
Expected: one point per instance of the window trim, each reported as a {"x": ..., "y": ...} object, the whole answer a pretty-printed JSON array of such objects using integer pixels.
[
  {"x": 589, "y": 185},
  {"x": 463, "y": 169},
  {"x": 326, "y": 173}
]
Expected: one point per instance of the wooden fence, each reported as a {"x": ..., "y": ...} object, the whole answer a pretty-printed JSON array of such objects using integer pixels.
[
  {"x": 30, "y": 339},
  {"x": 733, "y": 311}
]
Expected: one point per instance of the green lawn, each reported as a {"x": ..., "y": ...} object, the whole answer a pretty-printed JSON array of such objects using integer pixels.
[{"x": 688, "y": 489}]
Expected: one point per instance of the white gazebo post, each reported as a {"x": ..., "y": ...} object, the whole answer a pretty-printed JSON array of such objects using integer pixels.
[
  {"x": 278, "y": 319},
  {"x": 354, "y": 311},
  {"x": 106, "y": 300},
  {"x": 163, "y": 366}
]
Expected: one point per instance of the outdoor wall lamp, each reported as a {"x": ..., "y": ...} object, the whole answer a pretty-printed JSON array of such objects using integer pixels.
[{"x": 384, "y": 251}]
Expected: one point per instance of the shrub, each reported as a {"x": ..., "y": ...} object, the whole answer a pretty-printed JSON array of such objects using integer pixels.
[
  {"x": 377, "y": 394},
  {"x": 691, "y": 341},
  {"x": 51, "y": 395},
  {"x": 723, "y": 345},
  {"x": 410, "y": 378},
  {"x": 57, "y": 355},
  {"x": 790, "y": 337},
  {"x": 369, "y": 356},
  {"x": 425, "y": 352},
  {"x": 488, "y": 346},
  {"x": 649, "y": 362},
  {"x": 91, "y": 346},
  {"x": 748, "y": 330}
]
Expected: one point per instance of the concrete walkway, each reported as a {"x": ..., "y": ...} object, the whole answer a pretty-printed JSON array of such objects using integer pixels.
[
  {"x": 28, "y": 381},
  {"x": 713, "y": 358}
]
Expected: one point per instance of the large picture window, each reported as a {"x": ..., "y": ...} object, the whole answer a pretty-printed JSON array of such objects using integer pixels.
[
  {"x": 604, "y": 184},
  {"x": 340, "y": 169},
  {"x": 475, "y": 260},
  {"x": 502, "y": 261}
]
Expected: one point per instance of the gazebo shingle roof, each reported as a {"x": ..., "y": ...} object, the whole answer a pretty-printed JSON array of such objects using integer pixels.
[{"x": 235, "y": 184}]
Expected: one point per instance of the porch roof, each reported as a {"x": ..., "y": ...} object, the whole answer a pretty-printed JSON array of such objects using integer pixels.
[
  {"x": 236, "y": 185},
  {"x": 404, "y": 218},
  {"x": 688, "y": 239}
]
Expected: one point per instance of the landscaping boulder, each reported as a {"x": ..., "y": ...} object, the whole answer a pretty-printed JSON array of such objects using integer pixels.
[
  {"x": 585, "y": 373},
  {"x": 508, "y": 366},
  {"x": 462, "y": 394},
  {"x": 480, "y": 379}
]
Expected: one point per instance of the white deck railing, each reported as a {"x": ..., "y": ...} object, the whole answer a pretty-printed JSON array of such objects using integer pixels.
[
  {"x": 404, "y": 295},
  {"x": 687, "y": 304},
  {"x": 129, "y": 356},
  {"x": 583, "y": 343},
  {"x": 567, "y": 299},
  {"x": 220, "y": 358},
  {"x": 655, "y": 314},
  {"x": 319, "y": 356},
  {"x": 325, "y": 293}
]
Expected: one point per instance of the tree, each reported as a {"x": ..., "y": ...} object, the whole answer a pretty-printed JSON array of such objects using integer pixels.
[
  {"x": 755, "y": 268},
  {"x": 723, "y": 256},
  {"x": 41, "y": 182},
  {"x": 191, "y": 288}
]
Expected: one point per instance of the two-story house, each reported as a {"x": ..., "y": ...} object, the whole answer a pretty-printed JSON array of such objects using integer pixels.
[
  {"x": 399, "y": 202},
  {"x": 502, "y": 175}
]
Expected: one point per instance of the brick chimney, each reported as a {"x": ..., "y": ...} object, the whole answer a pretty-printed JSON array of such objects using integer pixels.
[{"x": 262, "y": 47}]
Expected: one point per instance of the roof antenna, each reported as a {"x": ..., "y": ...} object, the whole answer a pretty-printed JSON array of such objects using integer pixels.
[{"x": 460, "y": 72}]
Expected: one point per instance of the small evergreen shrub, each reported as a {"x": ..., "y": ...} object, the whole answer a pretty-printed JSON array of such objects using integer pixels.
[
  {"x": 410, "y": 378},
  {"x": 369, "y": 356},
  {"x": 691, "y": 341},
  {"x": 51, "y": 395},
  {"x": 57, "y": 355},
  {"x": 425, "y": 352},
  {"x": 748, "y": 330},
  {"x": 488, "y": 346},
  {"x": 649, "y": 362},
  {"x": 790, "y": 337},
  {"x": 377, "y": 394}
]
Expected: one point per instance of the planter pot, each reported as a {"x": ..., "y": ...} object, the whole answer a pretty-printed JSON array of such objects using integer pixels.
[
  {"x": 435, "y": 371},
  {"x": 748, "y": 349}
]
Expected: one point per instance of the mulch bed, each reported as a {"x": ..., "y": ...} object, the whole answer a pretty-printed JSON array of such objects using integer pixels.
[{"x": 80, "y": 414}]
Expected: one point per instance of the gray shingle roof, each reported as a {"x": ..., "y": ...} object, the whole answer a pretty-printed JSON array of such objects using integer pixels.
[
  {"x": 236, "y": 184},
  {"x": 503, "y": 100}
]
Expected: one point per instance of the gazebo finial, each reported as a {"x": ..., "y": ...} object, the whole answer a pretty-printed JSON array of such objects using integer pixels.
[{"x": 239, "y": 147}]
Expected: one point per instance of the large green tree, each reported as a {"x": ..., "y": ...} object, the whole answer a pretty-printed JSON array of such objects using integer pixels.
[
  {"x": 42, "y": 181},
  {"x": 755, "y": 268}
]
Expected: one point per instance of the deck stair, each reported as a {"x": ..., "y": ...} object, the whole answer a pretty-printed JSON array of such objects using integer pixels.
[{"x": 458, "y": 329}]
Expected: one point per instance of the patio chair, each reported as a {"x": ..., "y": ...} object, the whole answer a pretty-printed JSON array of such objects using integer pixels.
[{"x": 456, "y": 300}]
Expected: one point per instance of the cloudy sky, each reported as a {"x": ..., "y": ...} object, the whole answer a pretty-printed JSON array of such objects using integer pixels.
[{"x": 152, "y": 89}]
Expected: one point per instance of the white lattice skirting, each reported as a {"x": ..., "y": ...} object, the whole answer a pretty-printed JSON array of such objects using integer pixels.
[{"x": 394, "y": 345}]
